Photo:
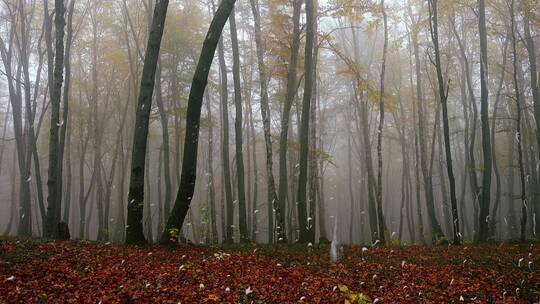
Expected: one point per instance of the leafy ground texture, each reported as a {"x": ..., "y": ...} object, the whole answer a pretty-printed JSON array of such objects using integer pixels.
[{"x": 38, "y": 271}]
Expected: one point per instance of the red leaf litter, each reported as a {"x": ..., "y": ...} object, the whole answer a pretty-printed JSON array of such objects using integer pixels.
[{"x": 37, "y": 271}]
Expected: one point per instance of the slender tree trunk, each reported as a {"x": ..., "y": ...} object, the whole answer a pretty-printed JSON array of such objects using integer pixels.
[
  {"x": 121, "y": 220},
  {"x": 12, "y": 196},
  {"x": 253, "y": 211},
  {"x": 313, "y": 154},
  {"x": 445, "y": 208},
  {"x": 372, "y": 205},
  {"x": 468, "y": 168},
  {"x": 165, "y": 138},
  {"x": 134, "y": 230},
  {"x": 418, "y": 197},
  {"x": 533, "y": 69},
  {"x": 225, "y": 145},
  {"x": 362, "y": 110},
  {"x": 55, "y": 175},
  {"x": 519, "y": 137},
  {"x": 24, "y": 227},
  {"x": 200, "y": 79},
  {"x": 320, "y": 187},
  {"x": 4, "y": 131},
  {"x": 64, "y": 122},
  {"x": 350, "y": 184},
  {"x": 94, "y": 106},
  {"x": 159, "y": 190},
  {"x": 405, "y": 176},
  {"x": 475, "y": 189},
  {"x": 244, "y": 235},
  {"x": 147, "y": 217},
  {"x": 303, "y": 220},
  {"x": 110, "y": 180},
  {"x": 380, "y": 215},
  {"x": 415, "y": 105},
  {"x": 82, "y": 201},
  {"x": 273, "y": 203},
  {"x": 497, "y": 202},
  {"x": 211, "y": 187},
  {"x": 484, "y": 118},
  {"x": 289, "y": 99},
  {"x": 69, "y": 180},
  {"x": 24, "y": 63},
  {"x": 446, "y": 129},
  {"x": 422, "y": 128}
]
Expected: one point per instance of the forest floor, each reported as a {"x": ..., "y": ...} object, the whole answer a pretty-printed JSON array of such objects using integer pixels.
[{"x": 40, "y": 271}]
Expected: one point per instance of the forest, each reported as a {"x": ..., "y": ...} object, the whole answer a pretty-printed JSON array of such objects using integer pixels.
[{"x": 281, "y": 151}]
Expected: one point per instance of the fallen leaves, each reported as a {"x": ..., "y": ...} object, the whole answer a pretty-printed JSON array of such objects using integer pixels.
[{"x": 85, "y": 272}]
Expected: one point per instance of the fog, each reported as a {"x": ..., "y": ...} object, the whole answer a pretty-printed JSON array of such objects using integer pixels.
[{"x": 92, "y": 85}]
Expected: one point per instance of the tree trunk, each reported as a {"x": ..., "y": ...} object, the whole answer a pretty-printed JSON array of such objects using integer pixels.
[
  {"x": 415, "y": 105},
  {"x": 64, "y": 121},
  {"x": 313, "y": 154},
  {"x": 301, "y": 203},
  {"x": 12, "y": 195},
  {"x": 362, "y": 111},
  {"x": 147, "y": 217},
  {"x": 225, "y": 145},
  {"x": 517, "y": 97},
  {"x": 24, "y": 63},
  {"x": 350, "y": 183},
  {"x": 55, "y": 175},
  {"x": 533, "y": 69},
  {"x": 200, "y": 79},
  {"x": 165, "y": 138},
  {"x": 445, "y": 208},
  {"x": 321, "y": 215},
  {"x": 286, "y": 114},
  {"x": 273, "y": 203},
  {"x": 493, "y": 222},
  {"x": 485, "y": 197},
  {"x": 134, "y": 228},
  {"x": 211, "y": 190},
  {"x": 380, "y": 215},
  {"x": 24, "y": 227},
  {"x": 422, "y": 128},
  {"x": 4, "y": 131},
  {"x": 244, "y": 235},
  {"x": 446, "y": 129},
  {"x": 69, "y": 180},
  {"x": 469, "y": 144}
]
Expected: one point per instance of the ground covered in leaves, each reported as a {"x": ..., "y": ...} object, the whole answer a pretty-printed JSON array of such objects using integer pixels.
[{"x": 37, "y": 271}]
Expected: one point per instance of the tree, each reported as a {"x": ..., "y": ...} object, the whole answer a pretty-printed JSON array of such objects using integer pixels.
[
  {"x": 533, "y": 70},
  {"x": 211, "y": 186},
  {"x": 443, "y": 95},
  {"x": 165, "y": 139},
  {"x": 200, "y": 79},
  {"x": 519, "y": 137},
  {"x": 273, "y": 200},
  {"x": 493, "y": 222},
  {"x": 134, "y": 229},
  {"x": 65, "y": 117},
  {"x": 304, "y": 222},
  {"x": 55, "y": 174},
  {"x": 15, "y": 99},
  {"x": 469, "y": 141},
  {"x": 244, "y": 236},
  {"x": 225, "y": 144},
  {"x": 380, "y": 215},
  {"x": 286, "y": 114},
  {"x": 485, "y": 196},
  {"x": 422, "y": 154}
]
